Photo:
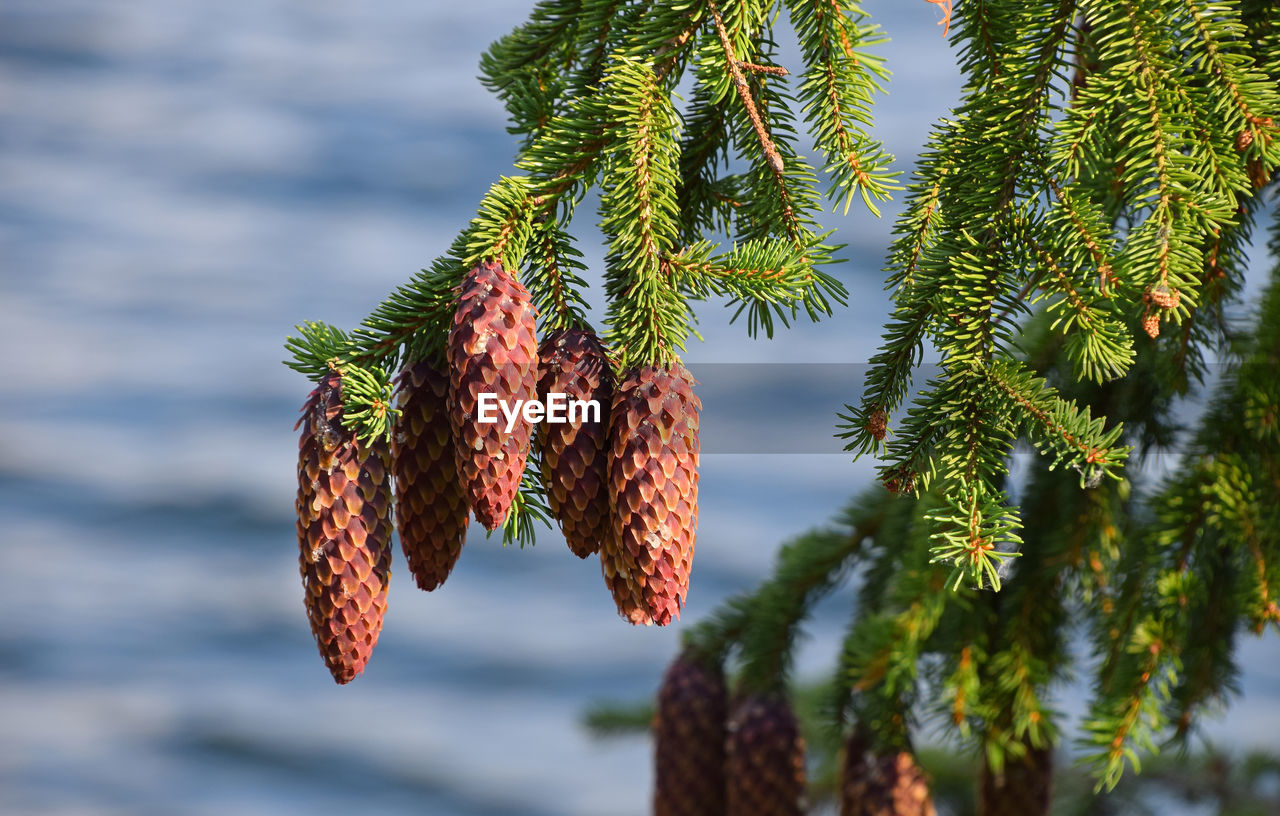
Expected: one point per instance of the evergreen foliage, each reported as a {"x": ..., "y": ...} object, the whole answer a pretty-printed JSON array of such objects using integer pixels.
[
  {"x": 590, "y": 89},
  {"x": 1101, "y": 160},
  {"x": 1072, "y": 252}
]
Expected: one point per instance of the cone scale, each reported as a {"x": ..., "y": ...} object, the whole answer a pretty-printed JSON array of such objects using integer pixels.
[
  {"x": 431, "y": 507},
  {"x": 653, "y": 488},
  {"x": 492, "y": 349},
  {"x": 344, "y": 532}
]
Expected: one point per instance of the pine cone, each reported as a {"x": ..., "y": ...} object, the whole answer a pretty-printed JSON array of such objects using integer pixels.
[
  {"x": 344, "y": 532},
  {"x": 1023, "y": 788},
  {"x": 653, "y": 489},
  {"x": 492, "y": 350},
  {"x": 889, "y": 784},
  {"x": 689, "y": 737},
  {"x": 575, "y": 461},
  {"x": 764, "y": 760},
  {"x": 431, "y": 508}
]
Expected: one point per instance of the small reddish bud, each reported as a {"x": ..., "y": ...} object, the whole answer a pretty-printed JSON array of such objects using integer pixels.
[{"x": 877, "y": 424}]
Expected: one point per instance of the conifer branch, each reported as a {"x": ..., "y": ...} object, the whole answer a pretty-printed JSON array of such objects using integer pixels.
[
  {"x": 765, "y": 277},
  {"x": 836, "y": 92},
  {"x": 806, "y": 569},
  {"x": 648, "y": 319},
  {"x": 553, "y": 277},
  {"x": 529, "y": 509},
  {"x": 763, "y": 621},
  {"x": 900, "y": 607},
  {"x": 1060, "y": 427},
  {"x": 740, "y": 85},
  {"x": 917, "y": 226},
  {"x": 1100, "y": 345}
]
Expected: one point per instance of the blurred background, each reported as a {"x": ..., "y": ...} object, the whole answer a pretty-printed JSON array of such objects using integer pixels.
[{"x": 181, "y": 181}]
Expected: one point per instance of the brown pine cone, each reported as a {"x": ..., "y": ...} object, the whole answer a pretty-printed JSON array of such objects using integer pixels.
[
  {"x": 764, "y": 760},
  {"x": 653, "y": 489},
  {"x": 492, "y": 349},
  {"x": 1023, "y": 788},
  {"x": 575, "y": 460},
  {"x": 888, "y": 784},
  {"x": 344, "y": 532},
  {"x": 689, "y": 740},
  {"x": 431, "y": 509}
]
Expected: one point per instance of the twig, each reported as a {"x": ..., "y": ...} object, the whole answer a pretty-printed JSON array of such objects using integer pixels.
[
  {"x": 945, "y": 22},
  {"x": 775, "y": 70},
  {"x": 740, "y": 82}
]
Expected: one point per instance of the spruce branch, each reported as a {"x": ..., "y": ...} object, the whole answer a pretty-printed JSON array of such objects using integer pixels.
[
  {"x": 648, "y": 319},
  {"x": 315, "y": 347},
  {"x": 900, "y": 605},
  {"x": 529, "y": 509},
  {"x": 553, "y": 277},
  {"x": 763, "y": 622},
  {"x": 806, "y": 569},
  {"x": 767, "y": 146},
  {"x": 529, "y": 68},
  {"x": 366, "y": 392},
  {"x": 1060, "y": 428},
  {"x": 766, "y": 277},
  {"x": 836, "y": 92},
  {"x": 976, "y": 535},
  {"x": 961, "y": 284},
  {"x": 1098, "y": 343}
]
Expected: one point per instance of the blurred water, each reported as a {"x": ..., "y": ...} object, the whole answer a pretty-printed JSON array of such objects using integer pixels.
[{"x": 180, "y": 183}]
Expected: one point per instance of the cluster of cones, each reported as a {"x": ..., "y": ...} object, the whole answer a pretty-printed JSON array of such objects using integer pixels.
[
  {"x": 625, "y": 486},
  {"x": 747, "y": 759}
]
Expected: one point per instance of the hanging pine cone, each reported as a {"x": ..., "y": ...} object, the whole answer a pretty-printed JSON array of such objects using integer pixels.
[
  {"x": 492, "y": 350},
  {"x": 653, "y": 488},
  {"x": 344, "y": 532},
  {"x": 431, "y": 509},
  {"x": 575, "y": 461},
  {"x": 689, "y": 737},
  {"x": 888, "y": 784},
  {"x": 1023, "y": 788},
  {"x": 764, "y": 760}
]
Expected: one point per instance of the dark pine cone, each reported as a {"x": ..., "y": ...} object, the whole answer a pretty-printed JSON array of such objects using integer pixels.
[
  {"x": 492, "y": 349},
  {"x": 653, "y": 487},
  {"x": 344, "y": 532},
  {"x": 765, "y": 759},
  {"x": 884, "y": 784},
  {"x": 689, "y": 740},
  {"x": 431, "y": 508},
  {"x": 575, "y": 456}
]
